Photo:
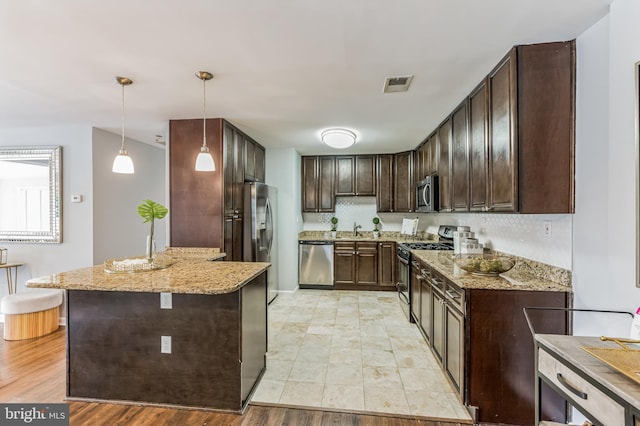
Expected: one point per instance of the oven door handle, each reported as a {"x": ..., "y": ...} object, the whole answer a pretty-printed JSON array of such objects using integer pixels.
[{"x": 403, "y": 297}]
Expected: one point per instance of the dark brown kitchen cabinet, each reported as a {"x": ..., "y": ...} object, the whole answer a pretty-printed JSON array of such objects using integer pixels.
[
  {"x": 423, "y": 160},
  {"x": 344, "y": 263},
  {"x": 356, "y": 175},
  {"x": 426, "y": 303},
  {"x": 207, "y": 207},
  {"x": 355, "y": 264},
  {"x": 403, "y": 186},
  {"x": 387, "y": 264},
  {"x": 366, "y": 263},
  {"x": 253, "y": 160},
  {"x": 434, "y": 154},
  {"x": 318, "y": 174},
  {"x": 478, "y": 148},
  {"x": 345, "y": 176},
  {"x": 233, "y": 237},
  {"x": 460, "y": 158},
  {"x": 503, "y": 165},
  {"x": 233, "y": 168},
  {"x": 365, "y": 176},
  {"x": 197, "y": 198},
  {"x": 444, "y": 165},
  {"x": 385, "y": 180},
  {"x": 415, "y": 289},
  {"x": 531, "y": 121},
  {"x": 477, "y": 344},
  {"x": 395, "y": 184}
]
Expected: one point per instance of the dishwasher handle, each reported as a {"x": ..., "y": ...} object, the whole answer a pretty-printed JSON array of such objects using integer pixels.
[{"x": 315, "y": 243}]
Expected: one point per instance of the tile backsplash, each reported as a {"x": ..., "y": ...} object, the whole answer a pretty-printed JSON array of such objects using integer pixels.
[{"x": 518, "y": 234}]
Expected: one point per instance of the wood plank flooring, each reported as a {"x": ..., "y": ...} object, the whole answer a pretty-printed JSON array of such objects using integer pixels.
[{"x": 33, "y": 371}]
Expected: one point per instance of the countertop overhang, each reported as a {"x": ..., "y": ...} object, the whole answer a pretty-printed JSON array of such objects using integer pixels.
[{"x": 186, "y": 276}]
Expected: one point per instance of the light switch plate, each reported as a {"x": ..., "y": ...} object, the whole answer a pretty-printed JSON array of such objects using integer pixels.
[
  {"x": 165, "y": 344},
  {"x": 76, "y": 198},
  {"x": 166, "y": 301}
]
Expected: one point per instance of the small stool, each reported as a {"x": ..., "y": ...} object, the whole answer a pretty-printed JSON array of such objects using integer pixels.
[{"x": 31, "y": 314}]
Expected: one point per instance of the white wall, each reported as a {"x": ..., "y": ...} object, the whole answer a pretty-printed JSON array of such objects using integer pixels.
[
  {"x": 118, "y": 230},
  {"x": 283, "y": 172},
  {"x": 605, "y": 229},
  {"x": 76, "y": 249}
]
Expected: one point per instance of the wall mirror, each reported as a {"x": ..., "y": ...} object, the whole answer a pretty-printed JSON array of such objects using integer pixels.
[
  {"x": 30, "y": 194},
  {"x": 637, "y": 142}
]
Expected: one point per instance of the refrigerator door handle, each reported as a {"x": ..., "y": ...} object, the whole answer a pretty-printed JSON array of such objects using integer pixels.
[{"x": 269, "y": 225}]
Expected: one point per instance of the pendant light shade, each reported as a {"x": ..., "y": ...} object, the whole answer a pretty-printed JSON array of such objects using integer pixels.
[
  {"x": 122, "y": 162},
  {"x": 204, "y": 161}
]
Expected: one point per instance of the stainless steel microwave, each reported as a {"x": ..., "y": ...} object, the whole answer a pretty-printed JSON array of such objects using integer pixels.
[{"x": 427, "y": 195}]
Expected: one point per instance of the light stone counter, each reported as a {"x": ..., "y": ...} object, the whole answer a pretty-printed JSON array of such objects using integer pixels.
[
  {"x": 522, "y": 277},
  {"x": 362, "y": 236},
  {"x": 187, "y": 276}
]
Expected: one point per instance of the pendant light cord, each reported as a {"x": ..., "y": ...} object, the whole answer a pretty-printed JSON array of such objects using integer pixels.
[
  {"x": 204, "y": 113},
  {"x": 122, "y": 145}
]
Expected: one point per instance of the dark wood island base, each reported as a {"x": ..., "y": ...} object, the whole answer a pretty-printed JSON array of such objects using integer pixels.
[{"x": 218, "y": 347}]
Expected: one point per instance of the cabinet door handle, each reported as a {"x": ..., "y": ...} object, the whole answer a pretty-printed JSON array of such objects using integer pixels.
[{"x": 570, "y": 387}]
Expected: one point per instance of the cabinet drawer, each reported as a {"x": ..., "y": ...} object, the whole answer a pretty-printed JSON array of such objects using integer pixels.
[
  {"x": 366, "y": 246},
  {"x": 344, "y": 245},
  {"x": 578, "y": 390}
]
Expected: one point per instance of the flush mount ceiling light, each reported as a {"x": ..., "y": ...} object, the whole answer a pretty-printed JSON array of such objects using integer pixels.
[
  {"x": 204, "y": 161},
  {"x": 122, "y": 162},
  {"x": 338, "y": 138},
  {"x": 397, "y": 84}
]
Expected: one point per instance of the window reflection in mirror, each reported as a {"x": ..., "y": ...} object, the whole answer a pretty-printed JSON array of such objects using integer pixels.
[{"x": 30, "y": 194}]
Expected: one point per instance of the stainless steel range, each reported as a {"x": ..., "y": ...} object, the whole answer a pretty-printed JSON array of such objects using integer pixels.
[{"x": 404, "y": 263}]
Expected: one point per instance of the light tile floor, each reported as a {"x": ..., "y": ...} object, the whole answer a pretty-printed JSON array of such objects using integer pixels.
[{"x": 352, "y": 350}]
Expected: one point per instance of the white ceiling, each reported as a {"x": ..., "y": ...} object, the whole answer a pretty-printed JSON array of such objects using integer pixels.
[{"x": 284, "y": 70}]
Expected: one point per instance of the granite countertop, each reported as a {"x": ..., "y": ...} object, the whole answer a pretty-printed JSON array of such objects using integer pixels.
[
  {"x": 521, "y": 277},
  {"x": 362, "y": 236},
  {"x": 188, "y": 275}
]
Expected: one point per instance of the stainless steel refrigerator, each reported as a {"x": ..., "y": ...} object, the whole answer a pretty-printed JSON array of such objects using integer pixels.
[{"x": 260, "y": 238}]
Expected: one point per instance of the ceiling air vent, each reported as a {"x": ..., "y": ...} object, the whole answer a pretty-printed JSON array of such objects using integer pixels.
[{"x": 397, "y": 84}]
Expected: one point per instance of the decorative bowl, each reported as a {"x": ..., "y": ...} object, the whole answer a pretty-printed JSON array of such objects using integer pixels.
[{"x": 484, "y": 264}]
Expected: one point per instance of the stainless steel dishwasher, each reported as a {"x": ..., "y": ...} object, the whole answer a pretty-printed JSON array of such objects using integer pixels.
[{"x": 315, "y": 264}]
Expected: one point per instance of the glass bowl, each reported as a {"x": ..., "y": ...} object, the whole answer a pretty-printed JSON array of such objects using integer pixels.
[{"x": 484, "y": 264}]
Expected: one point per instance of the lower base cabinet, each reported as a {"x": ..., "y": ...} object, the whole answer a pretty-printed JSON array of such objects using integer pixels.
[
  {"x": 364, "y": 265},
  {"x": 482, "y": 341}
]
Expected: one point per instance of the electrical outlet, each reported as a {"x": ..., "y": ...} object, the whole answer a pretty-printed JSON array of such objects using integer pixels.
[
  {"x": 165, "y": 344},
  {"x": 166, "y": 301},
  {"x": 547, "y": 228}
]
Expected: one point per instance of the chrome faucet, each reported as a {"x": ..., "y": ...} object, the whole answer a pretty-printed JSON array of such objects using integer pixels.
[{"x": 355, "y": 229}]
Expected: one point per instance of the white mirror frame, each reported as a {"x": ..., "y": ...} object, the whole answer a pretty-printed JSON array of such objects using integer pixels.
[{"x": 53, "y": 156}]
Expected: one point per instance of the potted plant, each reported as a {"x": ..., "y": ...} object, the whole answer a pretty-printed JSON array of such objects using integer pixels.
[
  {"x": 334, "y": 226},
  {"x": 150, "y": 211},
  {"x": 376, "y": 222}
]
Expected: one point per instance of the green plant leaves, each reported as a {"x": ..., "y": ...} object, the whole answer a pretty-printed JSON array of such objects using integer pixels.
[{"x": 150, "y": 210}]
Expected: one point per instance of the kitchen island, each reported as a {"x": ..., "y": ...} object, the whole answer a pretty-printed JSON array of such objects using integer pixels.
[{"x": 191, "y": 335}]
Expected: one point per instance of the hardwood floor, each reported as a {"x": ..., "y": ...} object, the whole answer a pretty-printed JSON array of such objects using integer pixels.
[{"x": 33, "y": 371}]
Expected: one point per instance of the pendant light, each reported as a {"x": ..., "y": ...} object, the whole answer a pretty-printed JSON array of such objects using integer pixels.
[
  {"x": 204, "y": 161},
  {"x": 122, "y": 162}
]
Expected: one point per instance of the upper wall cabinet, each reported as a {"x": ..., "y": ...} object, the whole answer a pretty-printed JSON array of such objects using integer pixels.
[
  {"x": 478, "y": 148},
  {"x": 395, "y": 183},
  {"x": 444, "y": 165},
  {"x": 318, "y": 184},
  {"x": 509, "y": 147},
  {"x": 356, "y": 175},
  {"x": 253, "y": 160},
  {"x": 460, "y": 158},
  {"x": 403, "y": 183}
]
